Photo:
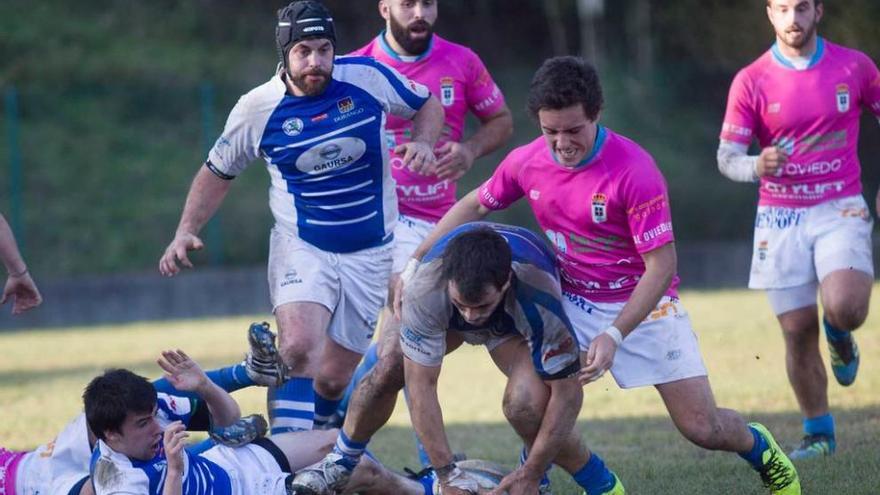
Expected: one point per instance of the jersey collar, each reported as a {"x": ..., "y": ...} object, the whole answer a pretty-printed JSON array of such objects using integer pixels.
[
  {"x": 601, "y": 135},
  {"x": 785, "y": 62},
  {"x": 404, "y": 58}
]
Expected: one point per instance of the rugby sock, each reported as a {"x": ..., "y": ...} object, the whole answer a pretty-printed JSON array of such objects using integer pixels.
[
  {"x": 834, "y": 334},
  {"x": 230, "y": 379},
  {"x": 324, "y": 409},
  {"x": 754, "y": 456},
  {"x": 821, "y": 425},
  {"x": 291, "y": 406},
  {"x": 594, "y": 477},
  {"x": 350, "y": 450},
  {"x": 369, "y": 361}
]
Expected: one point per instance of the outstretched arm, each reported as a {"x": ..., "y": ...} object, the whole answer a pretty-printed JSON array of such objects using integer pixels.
[
  {"x": 185, "y": 374},
  {"x": 205, "y": 195}
]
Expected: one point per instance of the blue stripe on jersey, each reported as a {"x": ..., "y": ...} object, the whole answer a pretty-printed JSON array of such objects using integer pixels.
[
  {"x": 529, "y": 298},
  {"x": 203, "y": 477},
  {"x": 333, "y": 165},
  {"x": 525, "y": 245},
  {"x": 410, "y": 97},
  {"x": 167, "y": 405}
]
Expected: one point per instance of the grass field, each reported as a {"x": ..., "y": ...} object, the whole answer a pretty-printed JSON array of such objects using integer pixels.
[{"x": 42, "y": 374}]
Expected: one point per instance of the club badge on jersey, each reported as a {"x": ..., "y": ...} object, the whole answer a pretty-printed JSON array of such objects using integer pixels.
[
  {"x": 598, "y": 210},
  {"x": 842, "y": 98},
  {"x": 447, "y": 91}
]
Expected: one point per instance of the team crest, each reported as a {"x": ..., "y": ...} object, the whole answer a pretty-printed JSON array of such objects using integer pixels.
[
  {"x": 345, "y": 105},
  {"x": 447, "y": 91},
  {"x": 842, "y": 98},
  {"x": 598, "y": 210},
  {"x": 292, "y": 127}
]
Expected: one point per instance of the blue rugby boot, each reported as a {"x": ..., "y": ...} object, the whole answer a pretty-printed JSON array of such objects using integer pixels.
[
  {"x": 813, "y": 446},
  {"x": 263, "y": 363},
  {"x": 242, "y": 432},
  {"x": 844, "y": 356}
]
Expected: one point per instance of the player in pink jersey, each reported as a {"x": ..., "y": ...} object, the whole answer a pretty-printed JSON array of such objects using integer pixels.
[
  {"x": 460, "y": 80},
  {"x": 603, "y": 203},
  {"x": 457, "y": 76},
  {"x": 801, "y": 101}
]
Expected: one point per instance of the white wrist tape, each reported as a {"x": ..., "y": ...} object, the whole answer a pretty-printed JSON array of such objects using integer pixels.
[
  {"x": 409, "y": 270},
  {"x": 615, "y": 334}
]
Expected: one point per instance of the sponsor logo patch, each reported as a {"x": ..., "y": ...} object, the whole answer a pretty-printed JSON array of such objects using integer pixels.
[{"x": 292, "y": 127}]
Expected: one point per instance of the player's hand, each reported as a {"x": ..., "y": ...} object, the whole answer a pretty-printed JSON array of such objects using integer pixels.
[
  {"x": 176, "y": 251},
  {"x": 23, "y": 291},
  {"x": 175, "y": 440},
  {"x": 600, "y": 357},
  {"x": 417, "y": 156},
  {"x": 771, "y": 161},
  {"x": 519, "y": 482},
  {"x": 182, "y": 372},
  {"x": 453, "y": 160}
]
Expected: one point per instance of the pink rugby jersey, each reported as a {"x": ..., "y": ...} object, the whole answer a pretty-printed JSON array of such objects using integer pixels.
[
  {"x": 812, "y": 114},
  {"x": 600, "y": 216},
  {"x": 458, "y": 78}
]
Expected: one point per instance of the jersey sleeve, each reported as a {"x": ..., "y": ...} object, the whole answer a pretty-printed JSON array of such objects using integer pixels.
[
  {"x": 870, "y": 85},
  {"x": 647, "y": 208},
  {"x": 173, "y": 408},
  {"x": 484, "y": 97},
  {"x": 399, "y": 96},
  {"x": 503, "y": 188},
  {"x": 422, "y": 331},
  {"x": 739, "y": 119},
  {"x": 239, "y": 144}
]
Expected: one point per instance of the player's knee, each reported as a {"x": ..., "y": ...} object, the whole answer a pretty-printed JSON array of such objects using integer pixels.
[
  {"x": 295, "y": 353},
  {"x": 704, "y": 431},
  {"x": 522, "y": 409},
  {"x": 846, "y": 316}
]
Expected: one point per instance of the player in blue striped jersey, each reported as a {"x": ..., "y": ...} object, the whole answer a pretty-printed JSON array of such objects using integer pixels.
[{"x": 319, "y": 124}]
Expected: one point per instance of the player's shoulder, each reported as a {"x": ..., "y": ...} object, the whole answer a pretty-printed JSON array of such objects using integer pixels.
[
  {"x": 526, "y": 153},
  {"x": 627, "y": 148},
  {"x": 755, "y": 70},
  {"x": 847, "y": 55},
  {"x": 445, "y": 46}
]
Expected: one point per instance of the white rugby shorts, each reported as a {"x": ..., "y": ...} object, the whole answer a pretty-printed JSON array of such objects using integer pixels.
[
  {"x": 662, "y": 349},
  {"x": 251, "y": 469},
  {"x": 351, "y": 285},
  {"x": 408, "y": 234},
  {"x": 795, "y": 247}
]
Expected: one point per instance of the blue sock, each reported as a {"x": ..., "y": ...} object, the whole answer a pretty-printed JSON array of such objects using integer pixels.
[
  {"x": 324, "y": 409},
  {"x": 292, "y": 406},
  {"x": 594, "y": 477},
  {"x": 369, "y": 361},
  {"x": 349, "y": 449},
  {"x": 754, "y": 456},
  {"x": 821, "y": 425},
  {"x": 230, "y": 379},
  {"x": 833, "y": 333},
  {"x": 201, "y": 447}
]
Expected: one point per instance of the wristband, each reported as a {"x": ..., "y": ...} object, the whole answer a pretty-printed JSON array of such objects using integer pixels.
[
  {"x": 615, "y": 334},
  {"x": 409, "y": 270},
  {"x": 444, "y": 471}
]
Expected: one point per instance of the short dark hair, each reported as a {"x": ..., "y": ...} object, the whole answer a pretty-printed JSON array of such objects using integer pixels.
[
  {"x": 109, "y": 398},
  {"x": 475, "y": 259},
  {"x": 561, "y": 82},
  {"x": 816, "y": 3}
]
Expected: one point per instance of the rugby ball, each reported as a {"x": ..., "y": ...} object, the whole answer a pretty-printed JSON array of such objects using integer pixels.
[{"x": 488, "y": 474}]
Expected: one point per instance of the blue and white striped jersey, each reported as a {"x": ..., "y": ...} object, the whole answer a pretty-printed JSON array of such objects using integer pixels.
[
  {"x": 532, "y": 306},
  {"x": 115, "y": 473},
  {"x": 327, "y": 155}
]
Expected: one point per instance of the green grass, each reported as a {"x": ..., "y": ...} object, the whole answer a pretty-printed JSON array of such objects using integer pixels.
[{"x": 42, "y": 375}]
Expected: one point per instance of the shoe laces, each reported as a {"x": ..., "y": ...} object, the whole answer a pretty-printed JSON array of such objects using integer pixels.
[{"x": 774, "y": 473}]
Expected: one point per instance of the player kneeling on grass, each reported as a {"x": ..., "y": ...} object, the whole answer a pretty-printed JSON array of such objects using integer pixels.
[{"x": 494, "y": 285}]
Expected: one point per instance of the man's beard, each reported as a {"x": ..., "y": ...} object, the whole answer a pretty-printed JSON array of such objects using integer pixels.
[
  {"x": 404, "y": 38},
  {"x": 311, "y": 89},
  {"x": 809, "y": 33}
]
